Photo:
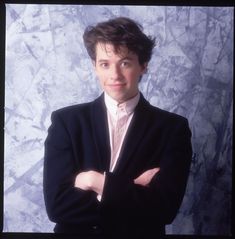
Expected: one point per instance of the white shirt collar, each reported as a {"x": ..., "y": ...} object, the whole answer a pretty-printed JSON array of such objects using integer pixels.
[{"x": 128, "y": 106}]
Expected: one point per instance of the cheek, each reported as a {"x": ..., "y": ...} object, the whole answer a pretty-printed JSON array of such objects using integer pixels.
[
  {"x": 100, "y": 75},
  {"x": 102, "y": 80},
  {"x": 133, "y": 77}
]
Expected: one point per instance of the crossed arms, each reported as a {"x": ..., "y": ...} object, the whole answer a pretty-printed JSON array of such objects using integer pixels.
[{"x": 94, "y": 181}]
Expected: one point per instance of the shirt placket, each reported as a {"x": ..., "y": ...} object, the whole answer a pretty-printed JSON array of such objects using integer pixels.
[{"x": 119, "y": 130}]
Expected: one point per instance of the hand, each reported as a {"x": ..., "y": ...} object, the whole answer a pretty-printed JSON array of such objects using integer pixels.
[
  {"x": 90, "y": 180},
  {"x": 145, "y": 178}
]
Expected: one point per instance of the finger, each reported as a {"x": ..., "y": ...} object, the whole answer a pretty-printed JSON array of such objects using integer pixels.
[{"x": 156, "y": 170}]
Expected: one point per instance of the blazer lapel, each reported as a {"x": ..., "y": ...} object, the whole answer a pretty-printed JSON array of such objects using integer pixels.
[
  {"x": 100, "y": 132},
  {"x": 137, "y": 128}
]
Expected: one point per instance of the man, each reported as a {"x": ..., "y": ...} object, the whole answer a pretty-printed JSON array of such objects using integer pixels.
[{"x": 117, "y": 166}]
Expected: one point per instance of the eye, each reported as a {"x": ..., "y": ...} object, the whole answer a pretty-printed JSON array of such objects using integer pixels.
[
  {"x": 126, "y": 64},
  {"x": 104, "y": 65}
]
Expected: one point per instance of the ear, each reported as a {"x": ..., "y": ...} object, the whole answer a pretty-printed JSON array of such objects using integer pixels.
[
  {"x": 94, "y": 65},
  {"x": 144, "y": 68}
]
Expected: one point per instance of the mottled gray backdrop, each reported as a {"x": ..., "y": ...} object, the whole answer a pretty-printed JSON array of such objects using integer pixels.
[{"x": 191, "y": 73}]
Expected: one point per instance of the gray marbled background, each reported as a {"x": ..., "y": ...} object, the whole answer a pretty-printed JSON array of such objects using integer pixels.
[{"x": 191, "y": 73}]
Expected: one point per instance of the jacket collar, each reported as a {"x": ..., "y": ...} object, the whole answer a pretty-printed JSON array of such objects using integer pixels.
[
  {"x": 100, "y": 132},
  {"x": 138, "y": 127}
]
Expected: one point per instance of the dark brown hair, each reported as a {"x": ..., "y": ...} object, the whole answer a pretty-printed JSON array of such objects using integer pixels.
[{"x": 119, "y": 32}]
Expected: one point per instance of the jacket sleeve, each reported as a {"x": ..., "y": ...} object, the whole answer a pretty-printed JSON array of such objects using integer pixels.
[
  {"x": 64, "y": 203},
  {"x": 162, "y": 198}
]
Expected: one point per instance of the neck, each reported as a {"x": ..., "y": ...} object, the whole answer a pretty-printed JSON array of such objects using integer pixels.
[{"x": 123, "y": 101}]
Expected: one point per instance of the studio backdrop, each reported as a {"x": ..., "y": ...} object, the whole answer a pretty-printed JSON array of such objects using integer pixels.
[{"x": 191, "y": 73}]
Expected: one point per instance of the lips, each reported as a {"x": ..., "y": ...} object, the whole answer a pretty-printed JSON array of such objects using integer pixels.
[{"x": 116, "y": 84}]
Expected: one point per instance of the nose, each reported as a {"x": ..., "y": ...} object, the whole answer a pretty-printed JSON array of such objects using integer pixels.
[{"x": 115, "y": 73}]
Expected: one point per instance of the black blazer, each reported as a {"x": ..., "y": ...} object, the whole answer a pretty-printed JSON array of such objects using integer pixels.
[{"x": 78, "y": 140}]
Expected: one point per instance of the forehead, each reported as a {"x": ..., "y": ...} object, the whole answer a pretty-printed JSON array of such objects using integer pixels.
[{"x": 108, "y": 50}]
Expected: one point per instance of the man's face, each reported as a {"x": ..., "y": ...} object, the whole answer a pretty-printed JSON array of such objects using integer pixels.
[{"x": 119, "y": 73}]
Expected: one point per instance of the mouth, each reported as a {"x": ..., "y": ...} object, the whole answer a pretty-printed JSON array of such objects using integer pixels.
[{"x": 116, "y": 85}]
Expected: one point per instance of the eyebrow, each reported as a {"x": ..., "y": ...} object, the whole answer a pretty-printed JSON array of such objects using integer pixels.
[{"x": 122, "y": 59}]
